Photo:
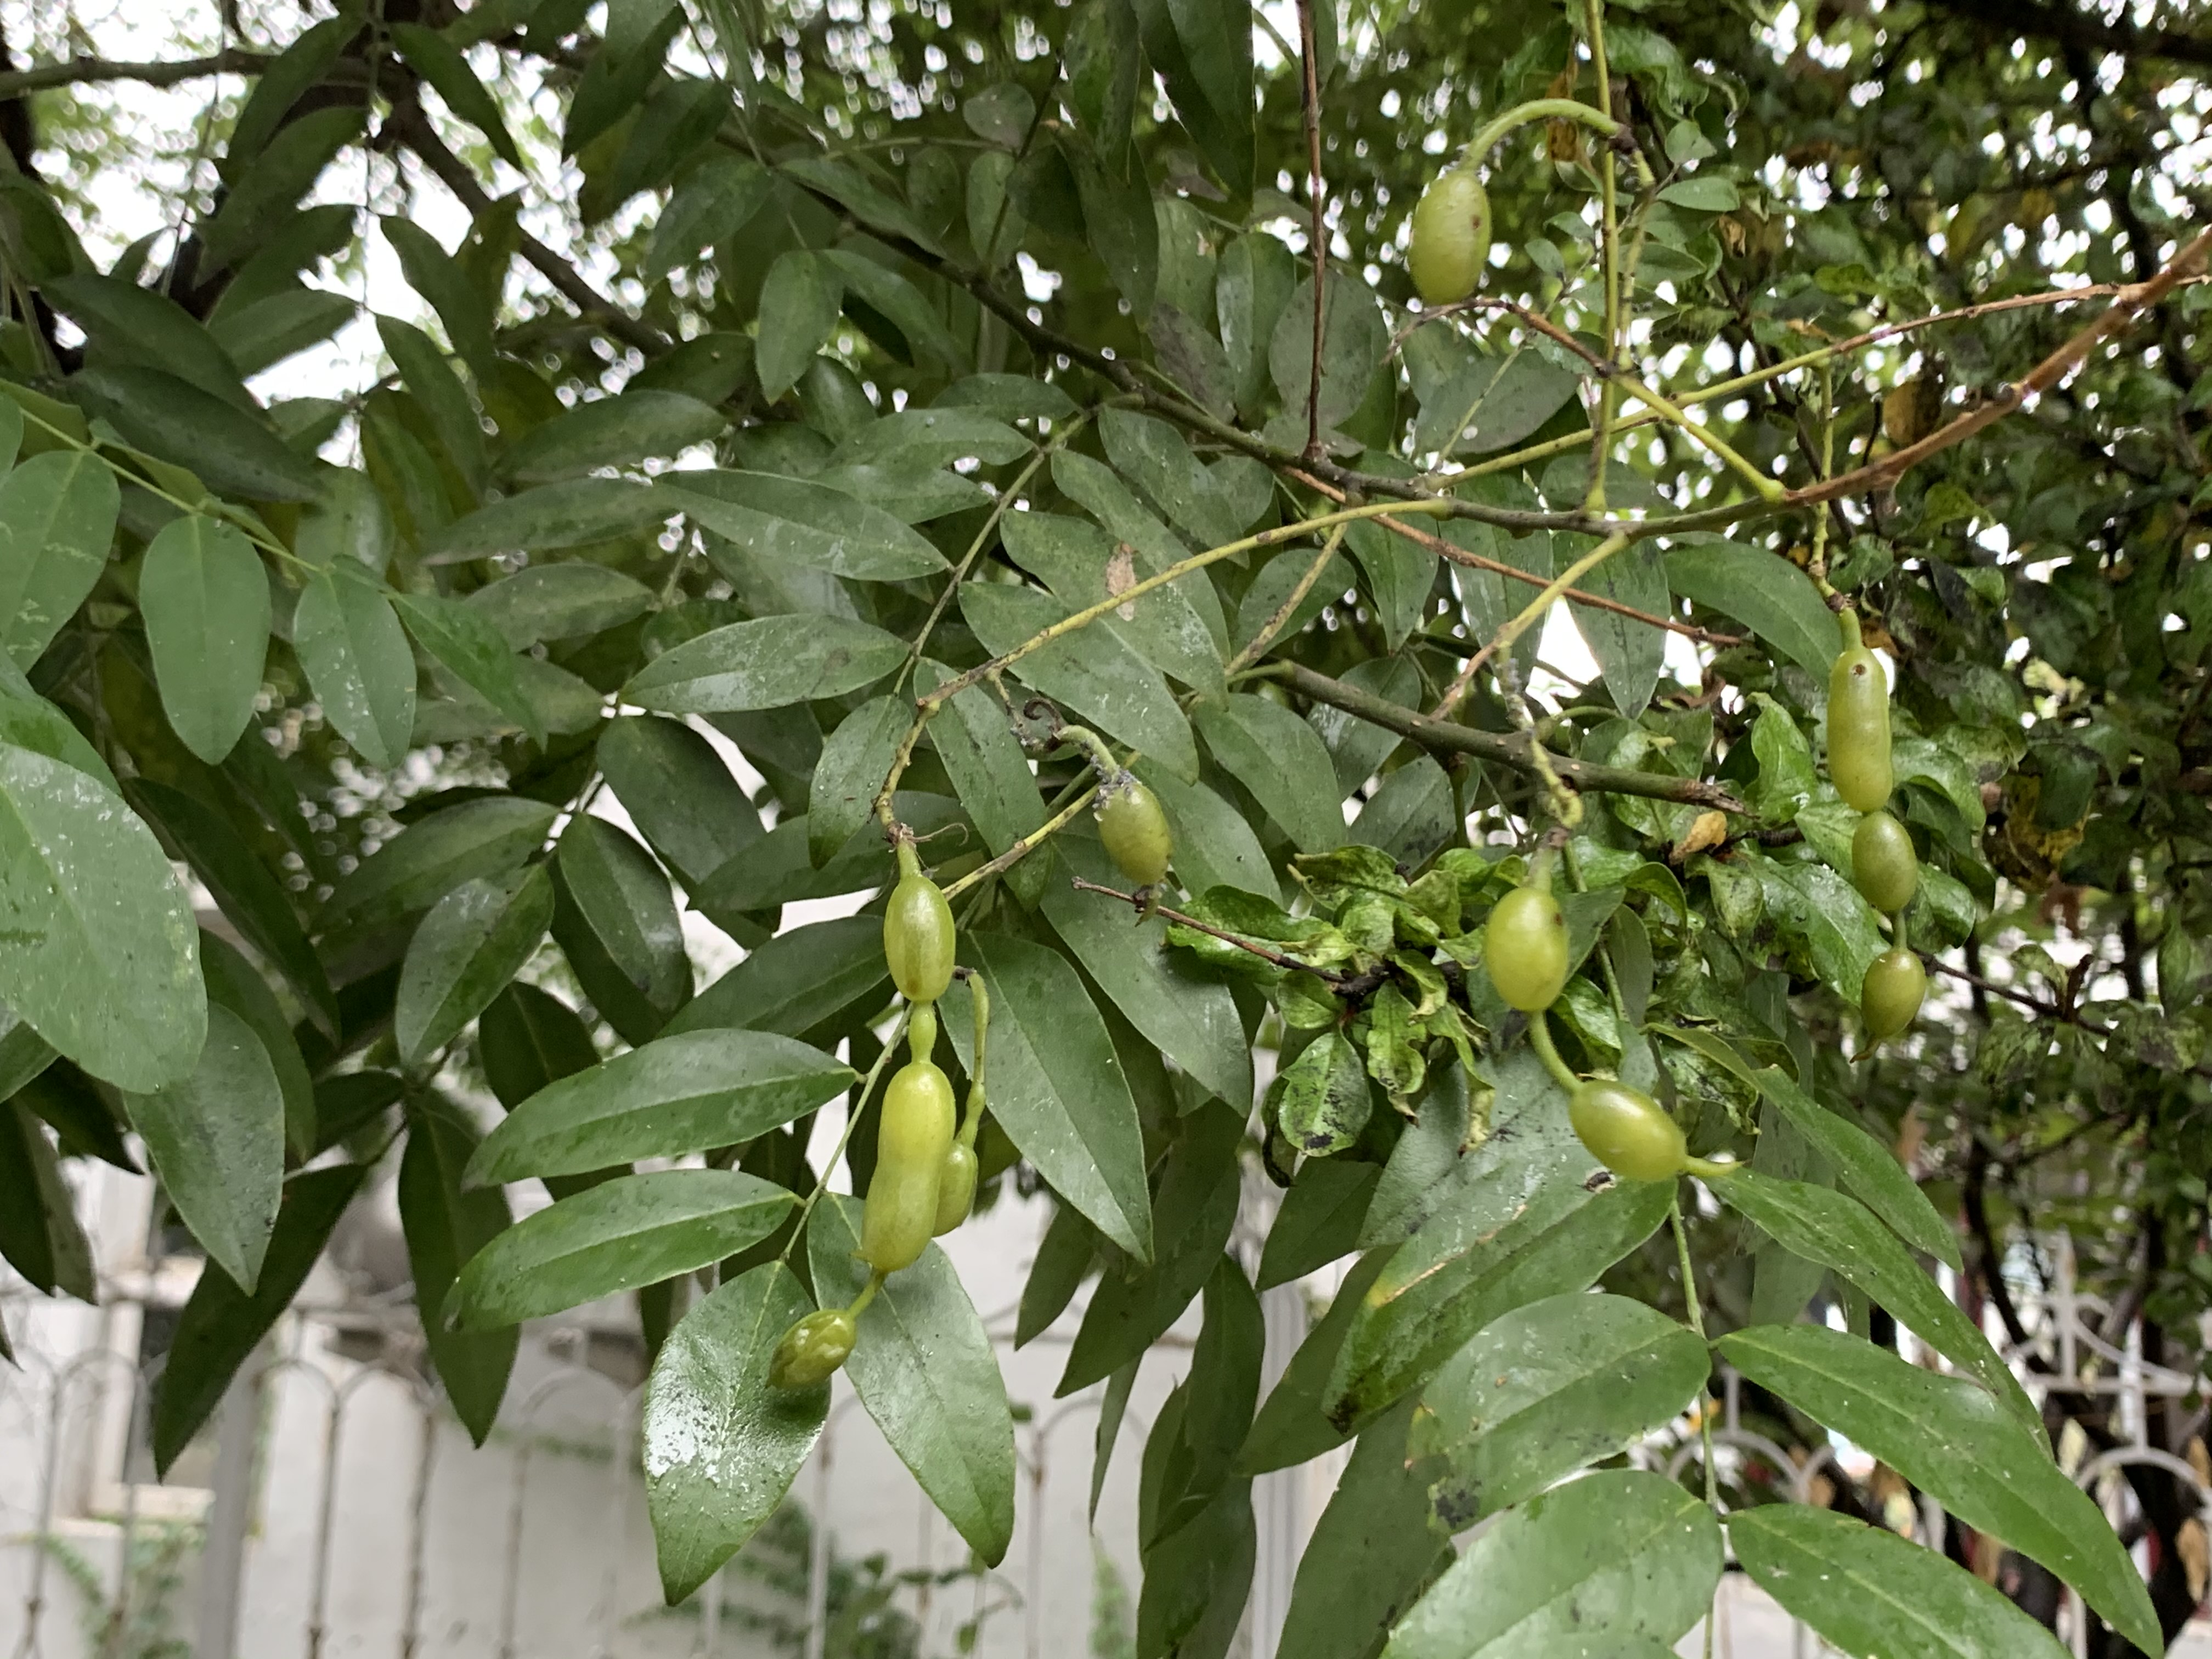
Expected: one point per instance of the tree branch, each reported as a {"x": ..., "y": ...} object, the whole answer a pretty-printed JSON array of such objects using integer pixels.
[
  {"x": 417, "y": 133},
  {"x": 84, "y": 71},
  {"x": 1449, "y": 737}
]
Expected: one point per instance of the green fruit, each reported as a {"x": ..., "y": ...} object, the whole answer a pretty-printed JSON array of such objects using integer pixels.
[
  {"x": 956, "y": 1188},
  {"x": 1883, "y": 863},
  {"x": 811, "y": 1349},
  {"x": 1858, "y": 724},
  {"x": 915, "y": 1133},
  {"x": 1135, "y": 831},
  {"x": 1451, "y": 237},
  {"x": 1524, "y": 944},
  {"x": 1625, "y": 1129},
  {"x": 918, "y": 939},
  {"x": 1889, "y": 998}
]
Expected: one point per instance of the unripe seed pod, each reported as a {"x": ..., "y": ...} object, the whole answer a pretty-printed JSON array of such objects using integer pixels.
[
  {"x": 1890, "y": 995},
  {"x": 956, "y": 1188},
  {"x": 1883, "y": 863},
  {"x": 812, "y": 1349},
  {"x": 918, "y": 939},
  {"x": 915, "y": 1133},
  {"x": 1858, "y": 724},
  {"x": 1627, "y": 1130},
  {"x": 1134, "y": 830},
  {"x": 1525, "y": 947},
  {"x": 1451, "y": 237}
]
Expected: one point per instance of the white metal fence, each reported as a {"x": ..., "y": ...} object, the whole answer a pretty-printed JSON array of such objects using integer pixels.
[{"x": 339, "y": 1510}]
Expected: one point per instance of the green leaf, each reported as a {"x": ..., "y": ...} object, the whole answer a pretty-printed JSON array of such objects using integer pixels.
[
  {"x": 1841, "y": 1234},
  {"x": 678, "y": 793},
  {"x": 1869, "y": 1591},
  {"x": 234, "y": 453},
  {"x": 612, "y": 432},
  {"x": 798, "y": 314},
  {"x": 300, "y": 65},
  {"x": 1587, "y": 1569},
  {"x": 1370, "y": 1551},
  {"x": 1763, "y": 591},
  {"x": 29, "y": 721},
  {"x": 1203, "y": 50},
  {"x": 216, "y": 1142},
  {"x": 436, "y": 59},
  {"x": 855, "y": 760},
  {"x": 715, "y": 200},
  {"x": 1319, "y": 1220},
  {"x": 571, "y": 513},
  {"x": 974, "y": 739},
  {"x": 237, "y": 985},
  {"x": 1280, "y": 759},
  {"x": 619, "y": 894},
  {"x": 57, "y": 516},
  {"x": 722, "y": 1446},
  {"x": 1055, "y": 1085},
  {"x": 1354, "y": 336},
  {"x": 97, "y": 952},
  {"x": 440, "y": 393},
  {"x": 676, "y": 1096},
  {"x": 634, "y": 1230},
  {"x": 1954, "y": 1440},
  {"x": 1868, "y": 1170},
  {"x": 205, "y": 601},
  {"x": 1064, "y": 1259},
  {"x": 892, "y": 297},
  {"x": 548, "y": 603},
  {"x": 527, "y": 1040},
  {"x": 357, "y": 661},
  {"x": 466, "y": 644},
  {"x": 780, "y": 519},
  {"x": 39, "y": 1235},
  {"x": 245, "y": 891},
  {"x": 1291, "y": 1426},
  {"x": 444, "y": 1226},
  {"x": 1511, "y": 1222},
  {"x": 1546, "y": 1390},
  {"x": 260, "y": 207},
  {"x": 221, "y": 1324},
  {"x": 1325, "y": 1102},
  {"x": 1093, "y": 673},
  {"x": 1152, "y": 546},
  {"x": 1083, "y": 565},
  {"x": 925, "y": 1369},
  {"x": 1192, "y": 1214},
  {"x": 769, "y": 663},
  {"x": 1152, "y": 455},
  {"x": 266, "y": 332},
  {"x": 932, "y": 437},
  {"x": 433, "y": 855},
  {"x": 474, "y": 940},
  {"x": 1629, "y": 654},
  {"x": 795, "y": 981},
  {"x": 1120, "y": 225},
  {"x": 461, "y": 307},
  {"x": 1190, "y": 1019},
  {"x": 1702, "y": 195},
  {"x": 130, "y": 324}
]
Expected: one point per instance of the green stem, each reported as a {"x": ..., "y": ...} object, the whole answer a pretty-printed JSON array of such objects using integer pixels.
[
  {"x": 1705, "y": 1398},
  {"x": 1530, "y": 615},
  {"x": 973, "y": 1121},
  {"x": 1028, "y": 844},
  {"x": 1539, "y": 1039},
  {"x": 1537, "y": 109},
  {"x": 1083, "y": 618},
  {"x": 1608, "y": 394},
  {"x": 859, "y": 1305},
  {"x": 852, "y": 1123},
  {"x": 1260, "y": 641}
]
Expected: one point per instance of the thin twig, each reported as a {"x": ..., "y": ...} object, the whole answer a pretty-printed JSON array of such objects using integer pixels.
[
  {"x": 1318, "y": 235},
  {"x": 87, "y": 71},
  {"x": 1257, "y": 647},
  {"x": 1449, "y": 737},
  {"x": 1138, "y": 901},
  {"x": 1460, "y": 556},
  {"x": 1027, "y": 845}
]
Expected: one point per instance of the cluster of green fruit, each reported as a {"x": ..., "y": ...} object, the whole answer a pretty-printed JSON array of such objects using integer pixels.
[
  {"x": 926, "y": 1168},
  {"x": 1883, "y": 861},
  {"x": 1524, "y": 947}
]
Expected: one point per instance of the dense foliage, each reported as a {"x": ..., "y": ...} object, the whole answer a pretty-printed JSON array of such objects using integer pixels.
[{"x": 887, "y": 390}]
